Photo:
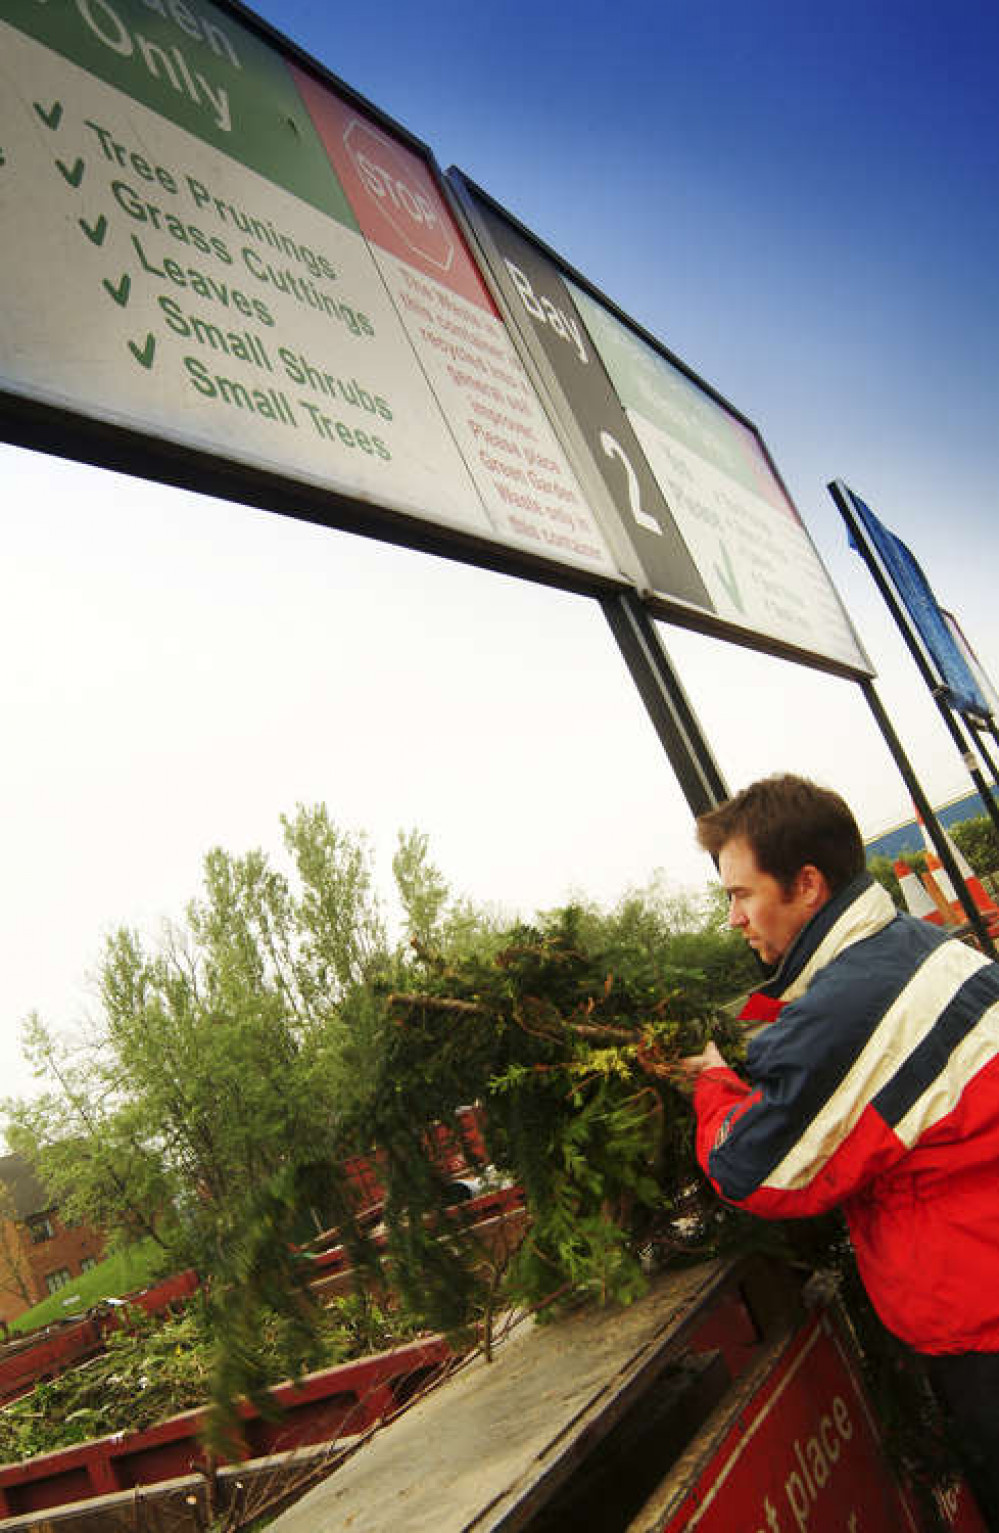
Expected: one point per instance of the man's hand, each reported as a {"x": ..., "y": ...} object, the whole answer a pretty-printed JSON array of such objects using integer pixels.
[
  {"x": 681, "y": 1073},
  {"x": 693, "y": 1064}
]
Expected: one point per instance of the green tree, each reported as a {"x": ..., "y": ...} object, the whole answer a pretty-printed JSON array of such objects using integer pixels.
[
  {"x": 978, "y": 840},
  {"x": 422, "y": 889},
  {"x": 341, "y": 931},
  {"x": 214, "y": 1061},
  {"x": 883, "y": 869},
  {"x": 91, "y": 1146}
]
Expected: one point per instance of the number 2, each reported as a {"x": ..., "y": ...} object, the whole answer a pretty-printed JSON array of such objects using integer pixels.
[{"x": 613, "y": 449}]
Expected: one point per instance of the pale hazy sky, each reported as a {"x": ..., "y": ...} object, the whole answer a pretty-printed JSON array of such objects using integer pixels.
[{"x": 802, "y": 203}]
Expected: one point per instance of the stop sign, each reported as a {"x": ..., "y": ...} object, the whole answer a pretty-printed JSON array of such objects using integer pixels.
[{"x": 401, "y": 193}]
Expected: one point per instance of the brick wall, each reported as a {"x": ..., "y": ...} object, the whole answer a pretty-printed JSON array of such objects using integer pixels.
[{"x": 65, "y": 1250}]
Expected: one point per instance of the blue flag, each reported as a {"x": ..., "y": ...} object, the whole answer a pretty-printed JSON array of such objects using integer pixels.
[{"x": 917, "y": 597}]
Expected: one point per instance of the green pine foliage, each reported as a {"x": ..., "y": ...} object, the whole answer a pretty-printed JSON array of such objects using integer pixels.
[
  {"x": 565, "y": 1034},
  {"x": 566, "y": 1037}
]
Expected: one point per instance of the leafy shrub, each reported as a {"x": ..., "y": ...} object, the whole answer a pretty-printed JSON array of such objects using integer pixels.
[{"x": 978, "y": 840}]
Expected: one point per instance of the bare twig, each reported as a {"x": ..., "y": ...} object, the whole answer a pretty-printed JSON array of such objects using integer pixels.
[{"x": 438, "y": 1003}]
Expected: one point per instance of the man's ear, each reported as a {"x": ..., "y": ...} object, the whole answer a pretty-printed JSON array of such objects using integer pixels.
[{"x": 813, "y": 887}]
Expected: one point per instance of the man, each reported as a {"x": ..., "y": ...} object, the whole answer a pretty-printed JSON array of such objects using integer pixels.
[{"x": 875, "y": 1087}]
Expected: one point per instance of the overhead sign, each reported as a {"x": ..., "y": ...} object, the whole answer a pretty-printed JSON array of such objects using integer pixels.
[
  {"x": 925, "y": 619},
  {"x": 223, "y": 270},
  {"x": 208, "y": 246},
  {"x": 720, "y": 544}
]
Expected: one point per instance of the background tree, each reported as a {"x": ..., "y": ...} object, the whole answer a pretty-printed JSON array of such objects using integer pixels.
[
  {"x": 422, "y": 890},
  {"x": 978, "y": 840},
  {"x": 92, "y": 1147},
  {"x": 212, "y": 1063},
  {"x": 883, "y": 869}
]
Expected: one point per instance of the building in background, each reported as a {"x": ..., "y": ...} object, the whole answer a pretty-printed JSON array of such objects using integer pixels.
[{"x": 39, "y": 1252}]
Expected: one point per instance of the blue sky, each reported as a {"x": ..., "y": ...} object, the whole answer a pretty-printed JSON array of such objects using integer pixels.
[{"x": 802, "y": 202}]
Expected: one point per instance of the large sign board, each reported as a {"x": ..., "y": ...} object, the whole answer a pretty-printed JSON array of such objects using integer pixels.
[
  {"x": 803, "y": 1455},
  {"x": 212, "y": 249},
  {"x": 919, "y": 613},
  {"x": 223, "y": 268},
  {"x": 720, "y": 543}
]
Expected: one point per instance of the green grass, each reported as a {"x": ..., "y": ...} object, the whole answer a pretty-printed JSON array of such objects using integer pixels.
[{"x": 135, "y": 1267}]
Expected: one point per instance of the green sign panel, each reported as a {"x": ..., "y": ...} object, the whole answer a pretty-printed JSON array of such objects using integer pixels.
[{"x": 199, "y": 68}]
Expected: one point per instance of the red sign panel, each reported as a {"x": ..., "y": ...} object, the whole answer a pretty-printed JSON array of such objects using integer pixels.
[
  {"x": 803, "y": 1456},
  {"x": 394, "y": 197}
]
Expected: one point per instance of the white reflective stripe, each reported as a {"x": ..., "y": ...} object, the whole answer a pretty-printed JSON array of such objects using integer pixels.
[
  {"x": 902, "y": 1028},
  {"x": 942, "y": 1094},
  {"x": 870, "y": 912}
]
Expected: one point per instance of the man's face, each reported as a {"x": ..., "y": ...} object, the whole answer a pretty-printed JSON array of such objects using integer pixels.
[{"x": 768, "y": 916}]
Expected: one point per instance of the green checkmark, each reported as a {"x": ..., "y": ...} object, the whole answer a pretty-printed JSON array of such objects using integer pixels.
[
  {"x": 51, "y": 118},
  {"x": 119, "y": 291},
  {"x": 727, "y": 575},
  {"x": 95, "y": 232},
  {"x": 73, "y": 174},
  {"x": 144, "y": 354}
]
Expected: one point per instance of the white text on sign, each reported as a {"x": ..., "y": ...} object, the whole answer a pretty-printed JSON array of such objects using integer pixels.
[{"x": 541, "y": 308}]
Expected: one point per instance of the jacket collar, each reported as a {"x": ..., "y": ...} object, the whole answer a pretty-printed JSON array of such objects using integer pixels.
[{"x": 861, "y": 908}]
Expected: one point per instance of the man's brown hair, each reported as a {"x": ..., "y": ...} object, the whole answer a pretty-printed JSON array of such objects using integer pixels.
[{"x": 789, "y": 821}]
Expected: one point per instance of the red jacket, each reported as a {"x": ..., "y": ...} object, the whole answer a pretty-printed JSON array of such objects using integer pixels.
[{"x": 876, "y": 1087}]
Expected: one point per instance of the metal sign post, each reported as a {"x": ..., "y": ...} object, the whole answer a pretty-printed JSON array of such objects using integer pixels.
[
  {"x": 668, "y": 706},
  {"x": 978, "y": 731},
  {"x": 933, "y": 826}
]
